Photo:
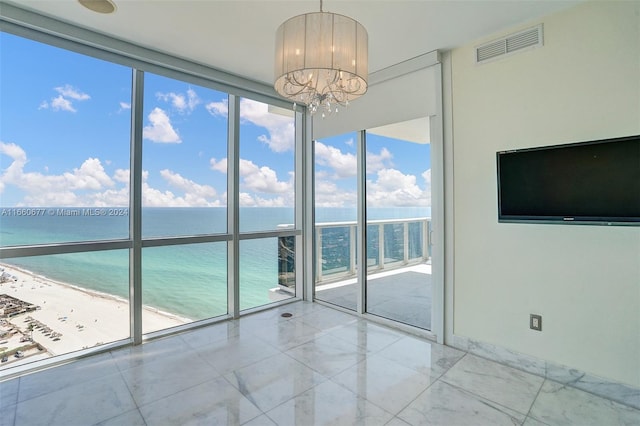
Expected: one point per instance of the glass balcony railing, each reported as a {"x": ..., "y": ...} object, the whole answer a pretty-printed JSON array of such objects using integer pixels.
[{"x": 391, "y": 244}]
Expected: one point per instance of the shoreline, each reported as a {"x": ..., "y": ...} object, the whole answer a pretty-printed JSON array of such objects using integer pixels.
[
  {"x": 76, "y": 317},
  {"x": 93, "y": 293}
]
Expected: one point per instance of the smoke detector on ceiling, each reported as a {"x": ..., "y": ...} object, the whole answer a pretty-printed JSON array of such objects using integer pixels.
[{"x": 530, "y": 38}]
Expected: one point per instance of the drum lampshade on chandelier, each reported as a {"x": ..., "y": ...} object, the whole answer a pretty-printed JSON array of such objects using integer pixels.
[{"x": 321, "y": 60}]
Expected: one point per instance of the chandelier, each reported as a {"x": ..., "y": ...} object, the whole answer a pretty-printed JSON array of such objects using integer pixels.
[{"x": 321, "y": 60}]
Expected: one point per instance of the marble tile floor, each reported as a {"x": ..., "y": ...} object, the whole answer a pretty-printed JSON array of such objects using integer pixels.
[{"x": 318, "y": 367}]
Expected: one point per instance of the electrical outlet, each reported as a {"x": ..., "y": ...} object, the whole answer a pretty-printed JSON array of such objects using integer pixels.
[{"x": 535, "y": 322}]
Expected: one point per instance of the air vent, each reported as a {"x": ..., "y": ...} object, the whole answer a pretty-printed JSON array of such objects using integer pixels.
[{"x": 530, "y": 38}]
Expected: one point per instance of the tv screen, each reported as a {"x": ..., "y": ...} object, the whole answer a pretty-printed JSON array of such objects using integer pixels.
[{"x": 595, "y": 182}]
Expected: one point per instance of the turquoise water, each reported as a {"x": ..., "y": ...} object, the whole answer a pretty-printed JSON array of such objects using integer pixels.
[{"x": 188, "y": 280}]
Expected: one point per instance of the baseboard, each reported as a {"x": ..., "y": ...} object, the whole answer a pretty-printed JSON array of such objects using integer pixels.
[{"x": 619, "y": 392}]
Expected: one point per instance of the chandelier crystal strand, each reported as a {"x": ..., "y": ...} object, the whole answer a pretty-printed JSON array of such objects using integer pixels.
[{"x": 321, "y": 61}]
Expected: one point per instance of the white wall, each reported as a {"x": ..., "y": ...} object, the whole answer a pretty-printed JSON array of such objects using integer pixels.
[
  {"x": 396, "y": 100},
  {"x": 584, "y": 280}
]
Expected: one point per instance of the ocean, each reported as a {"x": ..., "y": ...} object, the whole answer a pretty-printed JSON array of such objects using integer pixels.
[{"x": 187, "y": 280}]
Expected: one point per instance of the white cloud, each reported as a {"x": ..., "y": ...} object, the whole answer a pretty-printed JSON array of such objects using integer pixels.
[
  {"x": 280, "y": 135},
  {"x": 124, "y": 106},
  {"x": 90, "y": 175},
  {"x": 343, "y": 164},
  {"x": 184, "y": 104},
  {"x": 220, "y": 166},
  {"x": 90, "y": 185},
  {"x": 322, "y": 174},
  {"x": 52, "y": 198},
  {"x": 223, "y": 199},
  {"x": 272, "y": 202},
  {"x": 121, "y": 175},
  {"x": 14, "y": 151},
  {"x": 70, "y": 92},
  {"x": 218, "y": 109},
  {"x": 152, "y": 197},
  {"x": 160, "y": 130},
  {"x": 64, "y": 101},
  {"x": 13, "y": 173},
  {"x": 426, "y": 175},
  {"x": 70, "y": 188},
  {"x": 281, "y": 129},
  {"x": 192, "y": 99},
  {"x": 377, "y": 162},
  {"x": 60, "y": 103},
  {"x": 257, "y": 179},
  {"x": 262, "y": 179},
  {"x": 392, "y": 188},
  {"x": 110, "y": 198},
  {"x": 259, "y": 186},
  {"x": 188, "y": 193},
  {"x": 328, "y": 194},
  {"x": 195, "y": 194},
  {"x": 246, "y": 200}
]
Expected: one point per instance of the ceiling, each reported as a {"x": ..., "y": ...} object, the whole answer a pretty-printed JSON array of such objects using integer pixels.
[{"x": 238, "y": 36}]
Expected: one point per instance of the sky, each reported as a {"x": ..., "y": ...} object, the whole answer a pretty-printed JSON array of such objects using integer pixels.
[{"x": 65, "y": 130}]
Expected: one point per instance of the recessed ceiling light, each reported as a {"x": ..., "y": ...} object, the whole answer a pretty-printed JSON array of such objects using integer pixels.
[{"x": 100, "y": 6}]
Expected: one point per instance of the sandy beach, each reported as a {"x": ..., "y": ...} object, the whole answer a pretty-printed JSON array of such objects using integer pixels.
[{"x": 68, "y": 318}]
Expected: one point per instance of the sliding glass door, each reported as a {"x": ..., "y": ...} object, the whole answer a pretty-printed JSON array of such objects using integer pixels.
[
  {"x": 394, "y": 195},
  {"x": 336, "y": 219},
  {"x": 398, "y": 207}
]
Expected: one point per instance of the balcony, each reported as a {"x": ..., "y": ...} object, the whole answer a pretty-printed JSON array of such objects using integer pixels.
[{"x": 398, "y": 267}]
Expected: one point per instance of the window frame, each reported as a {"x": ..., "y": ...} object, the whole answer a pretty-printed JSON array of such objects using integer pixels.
[{"x": 38, "y": 28}]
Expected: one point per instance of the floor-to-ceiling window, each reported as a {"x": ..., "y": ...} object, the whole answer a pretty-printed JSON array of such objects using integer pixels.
[
  {"x": 85, "y": 261},
  {"x": 64, "y": 160},
  {"x": 184, "y": 136},
  {"x": 266, "y": 203},
  {"x": 64, "y": 149}
]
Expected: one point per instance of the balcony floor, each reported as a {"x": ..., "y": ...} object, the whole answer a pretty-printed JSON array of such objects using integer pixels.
[
  {"x": 318, "y": 367},
  {"x": 403, "y": 294}
]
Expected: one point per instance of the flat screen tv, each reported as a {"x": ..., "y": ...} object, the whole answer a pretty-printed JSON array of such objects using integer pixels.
[{"x": 595, "y": 182}]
